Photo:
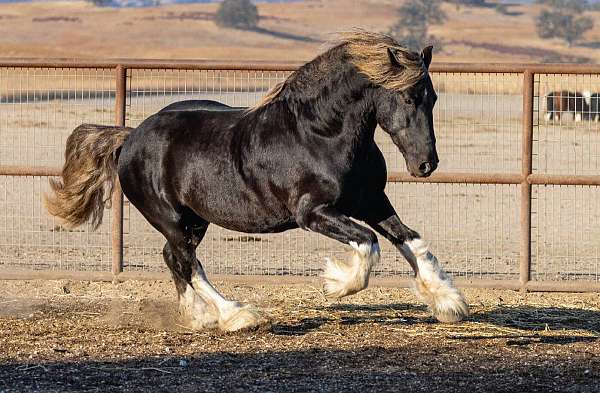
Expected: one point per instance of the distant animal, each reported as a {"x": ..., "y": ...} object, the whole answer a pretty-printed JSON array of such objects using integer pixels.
[
  {"x": 563, "y": 102},
  {"x": 304, "y": 157},
  {"x": 593, "y": 113}
]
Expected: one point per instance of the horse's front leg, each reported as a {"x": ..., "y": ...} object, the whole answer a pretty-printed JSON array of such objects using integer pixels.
[
  {"x": 343, "y": 278},
  {"x": 432, "y": 284}
]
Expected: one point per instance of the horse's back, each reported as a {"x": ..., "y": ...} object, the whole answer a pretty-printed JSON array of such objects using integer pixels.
[
  {"x": 207, "y": 131},
  {"x": 199, "y": 105},
  {"x": 178, "y": 159},
  {"x": 163, "y": 140}
]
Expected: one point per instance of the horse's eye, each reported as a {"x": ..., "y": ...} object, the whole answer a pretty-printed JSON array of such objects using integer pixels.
[{"x": 408, "y": 101}]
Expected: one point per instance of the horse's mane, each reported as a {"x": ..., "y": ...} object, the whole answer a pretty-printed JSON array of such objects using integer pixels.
[{"x": 368, "y": 52}]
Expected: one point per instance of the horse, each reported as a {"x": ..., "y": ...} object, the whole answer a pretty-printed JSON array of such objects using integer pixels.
[
  {"x": 561, "y": 102},
  {"x": 304, "y": 157}
]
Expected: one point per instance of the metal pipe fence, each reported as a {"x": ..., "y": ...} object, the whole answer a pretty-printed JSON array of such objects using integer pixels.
[{"x": 514, "y": 203}]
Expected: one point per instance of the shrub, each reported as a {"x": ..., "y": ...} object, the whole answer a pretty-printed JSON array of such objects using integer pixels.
[{"x": 239, "y": 14}]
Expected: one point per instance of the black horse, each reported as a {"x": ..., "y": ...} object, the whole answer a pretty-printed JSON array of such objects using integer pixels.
[{"x": 304, "y": 157}]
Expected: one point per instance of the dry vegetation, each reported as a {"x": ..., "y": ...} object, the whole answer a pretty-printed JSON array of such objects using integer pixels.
[
  {"x": 288, "y": 32},
  {"x": 82, "y": 336}
]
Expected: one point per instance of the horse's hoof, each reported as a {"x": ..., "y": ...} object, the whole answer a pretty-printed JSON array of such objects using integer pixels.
[
  {"x": 241, "y": 317},
  {"x": 451, "y": 310},
  {"x": 196, "y": 314},
  {"x": 336, "y": 279},
  {"x": 202, "y": 322},
  {"x": 343, "y": 279},
  {"x": 452, "y": 316}
]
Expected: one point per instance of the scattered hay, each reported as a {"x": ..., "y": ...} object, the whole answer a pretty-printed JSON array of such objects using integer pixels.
[{"x": 129, "y": 334}]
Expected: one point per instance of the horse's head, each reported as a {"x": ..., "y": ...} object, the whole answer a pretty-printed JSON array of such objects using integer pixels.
[{"x": 407, "y": 115}]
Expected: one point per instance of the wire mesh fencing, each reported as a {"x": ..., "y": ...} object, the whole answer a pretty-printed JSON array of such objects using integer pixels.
[
  {"x": 470, "y": 139},
  {"x": 565, "y": 219},
  {"x": 39, "y": 107},
  {"x": 475, "y": 226}
]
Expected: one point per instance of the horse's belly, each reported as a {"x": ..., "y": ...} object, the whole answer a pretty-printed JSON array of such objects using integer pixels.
[
  {"x": 244, "y": 212},
  {"x": 251, "y": 222}
]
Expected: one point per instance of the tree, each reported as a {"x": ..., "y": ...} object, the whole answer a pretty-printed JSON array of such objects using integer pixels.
[
  {"x": 239, "y": 14},
  {"x": 102, "y": 3},
  {"x": 562, "y": 19},
  {"x": 414, "y": 18},
  {"x": 566, "y": 5}
]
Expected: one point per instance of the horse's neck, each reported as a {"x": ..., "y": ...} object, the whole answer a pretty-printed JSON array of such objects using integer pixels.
[
  {"x": 349, "y": 122},
  {"x": 340, "y": 107},
  {"x": 359, "y": 124}
]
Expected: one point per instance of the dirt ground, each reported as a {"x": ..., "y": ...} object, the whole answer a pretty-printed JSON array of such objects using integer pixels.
[{"x": 91, "y": 336}]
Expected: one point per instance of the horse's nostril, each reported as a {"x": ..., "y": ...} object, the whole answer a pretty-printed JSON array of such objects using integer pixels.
[{"x": 425, "y": 167}]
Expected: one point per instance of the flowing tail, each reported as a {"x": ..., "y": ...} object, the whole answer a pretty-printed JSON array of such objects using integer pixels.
[{"x": 87, "y": 179}]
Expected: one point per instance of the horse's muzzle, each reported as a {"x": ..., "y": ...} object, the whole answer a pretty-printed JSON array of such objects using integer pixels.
[{"x": 426, "y": 168}]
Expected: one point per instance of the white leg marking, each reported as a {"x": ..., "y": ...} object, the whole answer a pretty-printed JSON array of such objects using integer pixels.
[
  {"x": 577, "y": 116},
  {"x": 548, "y": 115},
  {"x": 195, "y": 311},
  {"x": 232, "y": 316},
  {"x": 433, "y": 286},
  {"x": 587, "y": 97},
  {"x": 343, "y": 279}
]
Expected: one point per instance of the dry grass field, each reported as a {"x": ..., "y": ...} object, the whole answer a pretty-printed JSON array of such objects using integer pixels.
[{"x": 288, "y": 32}]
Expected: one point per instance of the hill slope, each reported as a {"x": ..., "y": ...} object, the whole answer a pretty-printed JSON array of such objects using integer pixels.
[{"x": 289, "y": 32}]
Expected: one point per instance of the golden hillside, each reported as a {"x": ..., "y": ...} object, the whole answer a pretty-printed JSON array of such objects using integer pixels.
[{"x": 289, "y": 32}]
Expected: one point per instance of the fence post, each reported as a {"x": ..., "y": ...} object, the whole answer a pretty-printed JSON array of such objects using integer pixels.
[
  {"x": 526, "y": 170},
  {"x": 117, "y": 197}
]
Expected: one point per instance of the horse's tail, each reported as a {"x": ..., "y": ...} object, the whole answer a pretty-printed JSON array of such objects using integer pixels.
[{"x": 87, "y": 179}]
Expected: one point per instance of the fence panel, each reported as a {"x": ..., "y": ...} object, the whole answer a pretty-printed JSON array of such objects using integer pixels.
[
  {"x": 39, "y": 107},
  {"x": 566, "y": 233},
  {"x": 566, "y": 225},
  {"x": 477, "y": 230},
  {"x": 477, "y": 126}
]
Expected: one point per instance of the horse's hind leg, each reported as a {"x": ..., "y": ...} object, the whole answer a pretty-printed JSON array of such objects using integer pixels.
[
  {"x": 214, "y": 308},
  {"x": 194, "y": 310}
]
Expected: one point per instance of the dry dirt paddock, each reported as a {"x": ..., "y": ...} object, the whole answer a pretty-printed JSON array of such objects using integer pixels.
[{"x": 91, "y": 336}]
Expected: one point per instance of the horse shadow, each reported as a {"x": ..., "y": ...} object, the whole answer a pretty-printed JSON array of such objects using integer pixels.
[
  {"x": 522, "y": 323},
  {"x": 532, "y": 319},
  {"x": 302, "y": 327},
  {"x": 357, "y": 314}
]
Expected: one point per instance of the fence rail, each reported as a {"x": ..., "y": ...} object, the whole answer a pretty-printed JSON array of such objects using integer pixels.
[{"x": 528, "y": 76}]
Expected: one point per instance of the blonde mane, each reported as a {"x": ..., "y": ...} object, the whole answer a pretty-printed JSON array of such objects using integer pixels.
[{"x": 369, "y": 53}]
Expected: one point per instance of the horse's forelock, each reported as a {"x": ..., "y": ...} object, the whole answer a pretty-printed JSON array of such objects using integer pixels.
[{"x": 369, "y": 53}]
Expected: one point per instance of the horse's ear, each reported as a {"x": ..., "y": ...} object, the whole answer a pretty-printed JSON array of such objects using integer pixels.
[
  {"x": 426, "y": 55},
  {"x": 392, "y": 53}
]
